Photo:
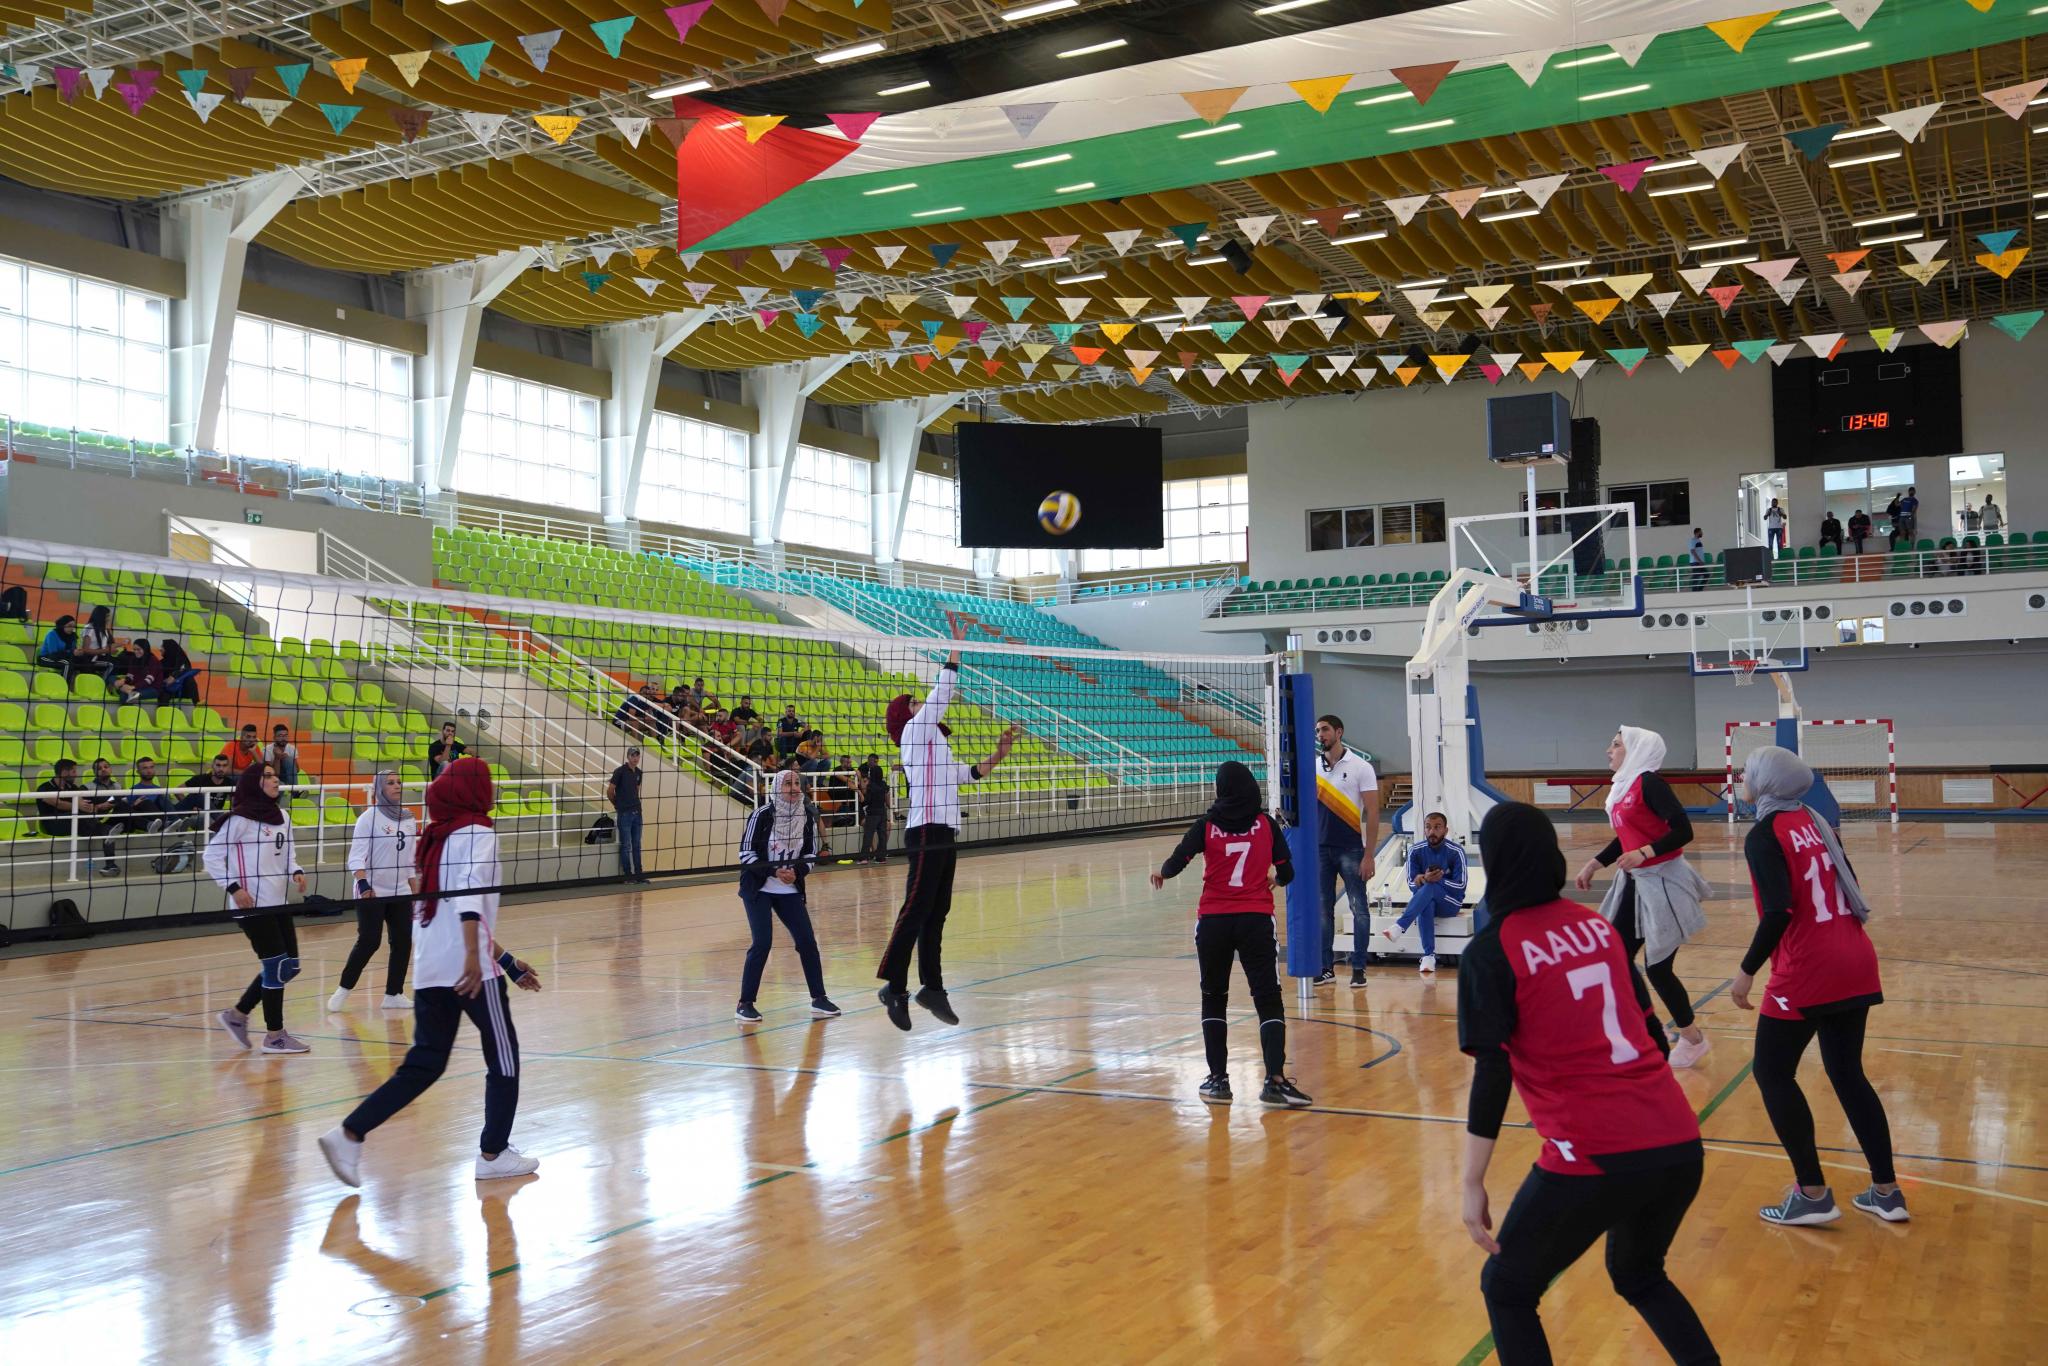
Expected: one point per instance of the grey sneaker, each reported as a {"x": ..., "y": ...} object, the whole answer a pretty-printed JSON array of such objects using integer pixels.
[
  {"x": 1799, "y": 1208},
  {"x": 237, "y": 1026},
  {"x": 1890, "y": 1208}
]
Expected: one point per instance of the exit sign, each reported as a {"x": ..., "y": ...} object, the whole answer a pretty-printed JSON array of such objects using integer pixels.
[{"x": 252, "y": 516}]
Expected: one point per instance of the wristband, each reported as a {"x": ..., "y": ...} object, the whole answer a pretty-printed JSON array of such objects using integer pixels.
[
  {"x": 509, "y": 965},
  {"x": 234, "y": 887},
  {"x": 363, "y": 884}
]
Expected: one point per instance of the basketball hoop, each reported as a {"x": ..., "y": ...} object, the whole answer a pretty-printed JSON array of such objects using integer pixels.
[
  {"x": 1745, "y": 671},
  {"x": 1556, "y": 638}
]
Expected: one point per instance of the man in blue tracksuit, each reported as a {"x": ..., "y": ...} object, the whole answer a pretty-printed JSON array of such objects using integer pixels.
[{"x": 1436, "y": 885}]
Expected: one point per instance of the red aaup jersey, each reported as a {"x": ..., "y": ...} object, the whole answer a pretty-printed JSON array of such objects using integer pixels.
[
  {"x": 1582, "y": 1057},
  {"x": 1637, "y": 826},
  {"x": 1234, "y": 869},
  {"x": 1825, "y": 956}
]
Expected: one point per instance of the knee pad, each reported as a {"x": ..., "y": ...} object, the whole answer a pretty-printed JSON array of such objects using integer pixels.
[{"x": 279, "y": 969}]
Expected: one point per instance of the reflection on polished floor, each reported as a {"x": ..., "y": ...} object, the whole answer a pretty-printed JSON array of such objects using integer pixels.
[{"x": 1039, "y": 1184}]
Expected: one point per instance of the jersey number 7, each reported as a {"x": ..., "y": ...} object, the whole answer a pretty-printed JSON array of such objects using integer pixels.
[{"x": 1601, "y": 975}]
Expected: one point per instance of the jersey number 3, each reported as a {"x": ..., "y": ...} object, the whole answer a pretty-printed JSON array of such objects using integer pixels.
[{"x": 1583, "y": 979}]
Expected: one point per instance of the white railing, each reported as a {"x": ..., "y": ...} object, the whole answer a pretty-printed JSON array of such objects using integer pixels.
[
  {"x": 174, "y": 525},
  {"x": 1199, "y": 578}
]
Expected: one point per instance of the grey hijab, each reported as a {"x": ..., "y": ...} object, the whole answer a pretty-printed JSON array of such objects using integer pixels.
[
  {"x": 1778, "y": 780},
  {"x": 388, "y": 809}
]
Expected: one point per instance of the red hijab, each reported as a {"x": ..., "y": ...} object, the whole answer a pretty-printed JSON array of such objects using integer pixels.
[
  {"x": 251, "y": 802},
  {"x": 899, "y": 717},
  {"x": 460, "y": 797}
]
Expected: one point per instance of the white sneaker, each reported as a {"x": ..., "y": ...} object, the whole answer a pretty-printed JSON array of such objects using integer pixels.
[
  {"x": 397, "y": 1003},
  {"x": 1686, "y": 1053},
  {"x": 511, "y": 1162},
  {"x": 1428, "y": 967},
  {"x": 344, "y": 1156},
  {"x": 1389, "y": 935},
  {"x": 338, "y": 999}
]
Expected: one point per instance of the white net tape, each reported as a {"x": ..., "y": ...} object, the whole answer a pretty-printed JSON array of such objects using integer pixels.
[{"x": 1856, "y": 758}]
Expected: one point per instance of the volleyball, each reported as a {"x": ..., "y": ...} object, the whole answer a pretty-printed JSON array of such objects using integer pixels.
[{"x": 1059, "y": 512}]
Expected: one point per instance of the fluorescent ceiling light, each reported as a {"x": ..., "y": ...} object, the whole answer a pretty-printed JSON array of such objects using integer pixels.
[
  {"x": 1194, "y": 327},
  {"x": 1879, "y": 220},
  {"x": 1011, "y": 16},
  {"x": 1355, "y": 213},
  {"x": 904, "y": 89},
  {"x": 1571, "y": 284},
  {"x": 1854, "y": 133},
  {"x": 1618, "y": 90},
  {"x": 1841, "y": 51},
  {"x": 1733, "y": 261},
  {"x": 1824, "y": 12},
  {"x": 1162, "y": 318},
  {"x": 1176, "y": 242},
  {"x": 891, "y": 189},
  {"x": 934, "y": 213},
  {"x": 1080, "y": 279},
  {"x": 1356, "y": 238},
  {"x": 1205, "y": 132},
  {"x": 1052, "y": 160},
  {"x": 1716, "y": 244},
  {"x": 1445, "y": 299},
  {"x": 1913, "y": 236},
  {"x": 1422, "y": 127},
  {"x": 2039, "y": 217},
  {"x": 1593, "y": 60},
  {"x": 1505, "y": 215},
  {"x": 1286, "y": 5},
  {"x": 1204, "y": 261},
  {"x": 1092, "y": 48},
  {"x": 1693, "y": 188},
  {"x": 847, "y": 54},
  {"x": 1387, "y": 98},
  {"x": 1420, "y": 284},
  {"x": 1249, "y": 156},
  {"x": 1579, "y": 264},
  {"x": 1042, "y": 264},
  {"x": 1504, "y": 192},
  {"x": 2041, "y": 194},
  {"x": 686, "y": 88},
  {"x": 1868, "y": 158},
  {"x": 1075, "y": 188},
  {"x": 1677, "y": 164}
]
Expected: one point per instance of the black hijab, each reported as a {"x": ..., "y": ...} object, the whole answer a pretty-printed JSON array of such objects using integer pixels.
[
  {"x": 174, "y": 658},
  {"x": 1238, "y": 801},
  {"x": 1518, "y": 849}
]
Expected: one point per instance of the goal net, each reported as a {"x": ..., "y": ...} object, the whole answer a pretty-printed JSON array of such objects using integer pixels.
[
  {"x": 1857, "y": 757},
  {"x": 548, "y": 661}
]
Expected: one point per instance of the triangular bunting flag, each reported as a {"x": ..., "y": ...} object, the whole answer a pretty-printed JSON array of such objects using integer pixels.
[
  {"x": 1851, "y": 281},
  {"x": 1885, "y": 337},
  {"x": 594, "y": 280},
  {"x": 1211, "y": 105},
  {"x": 1727, "y": 355},
  {"x": 1406, "y": 207},
  {"x": 1754, "y": 349},
  {"x": 1662, "y": 301},
  {"x": 1486, "y": 296},
  {"x": 1190, "y": 304},
  {"x": 539, "y": 46},
  {"x": 961, "y": 304},
  {"x": 698, "y": 289},
  {"x": 1627, "y": 286},
  {"x": 557, "y": 126},
  {"x": 647, "y": 283},
  {"x": 942, "y": 253},
  {"x": 1492, "y": 316},
  {"x": 974, "y": 331},
  {"x": 1924, "y": 271},
  {"x": 1597, "y": 309},
  {"x": 1561, "y": 360},
  {"x": 1214, "y": 374},
  {"x": 1073, "y": 308},
  {"x": 1060, "y": 246},
  {"x": 1378, "y": 322},
  {"x": 1230, "y": 360},
  {"x": 1541, "y": 313},
  {"x": 1529, "y": 66},
  {"x": 1910, "y": 123},
  {"x": 1531, "y": 370},
  {"x": 890, "y": 255},
  {"x": 2003, "y": 263},
  {"x": 847, "y": 299},
  {"x": 785, "y": 257},
  {"x": 136, "y": 90},
  {"x": 98, "y": 76},
  {"x": 835, "y": 257},
  {"x": 1582, "y": 367},
  {"x": 1688, "y": 354},
  {"x": 69, "y": 77},
  {"x": 1779, "y": 352},
  {"x": 1737, "y": 32},
  {"x": 853, "y": 127},
  {"x": 1788, "y": 289},
  {"x": 1016, "y": 303},
  {"x": 1407, "y": 374},
  {"x": 292, "y": 76},
  {"x": 1435, "y": 318},
  {"x": 1696, "y": 277},
  {"x": 685, "y": 17},
  {"x": 1813, "y": 142},
  {"x": 758, "y": 126},
  {"x": 751, "y": 295},
  {"x": 1628, "y": 174},
  {"x": 1447, "y": 366},
  {"x": 2014, "y": 99},
  {"x": 1255, "y": 228},
  {"x": 1541, "y": 188},
  {"x": 2017, "y": 325},
  {"x": 999, "y": 252},
  {"x": 1774, "y": 271},
  {"x": 268, "y": 110},
  {"x": 204, "y": 103},
  {"x": 1188, "y": 233},
  {"x": 193, "y": 79},
  {"x": 1131, "y": 305},
  {"x": 349, "y": 70},
  {"x": 675, "y": 130},
  {"x": 1036, "y": 351},
  {"x": 1320, "y": 92},
  {"x": 1632, "y": 48},
  {"x": 1996, "y": 242},
  {"x": 1715, "y": 160},
  {"x": 1025, "y": 118},
  {"x": 1277, "y": 327},
  {"x": 1063, "y": 332},
  {"x": 1824, "y": 344},
  {"x": 1309, "y": 303},
  {"x": 340, "y": 116},
  {"x": 1491, "y": 371},
  {"x": 410, "y": 64},
  {"x": 1116, "y": 332},
  {"x": 1250, "y": 304},
  {"x": 470, "y": 55},
  {"x": 1629, "y": 358},
  {"x": 1848, "y": 260},
  {"x": 630, "y": 128},
  {"x": 612, "y": 33},
  {"x": 1087, "y": 355},
  {"x": 900, "y": 303},
  {"x": 411, "y": 122},
  {"x": 1123, "y": 238},
  {"x": 1224, "y": 331},
  {"x": 1857, "y": 12},
  {"x": 1423, "y": 80},
  {"x": 1462, "y": 200},
  {"x": 922, "y": 361},
  {"x": 1725, "y": 295},
  {"x": 1420, "y": 299},
  {"x": 1944, "y": 333}
]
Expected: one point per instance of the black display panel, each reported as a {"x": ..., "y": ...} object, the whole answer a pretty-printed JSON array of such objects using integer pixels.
[
  {"x": 1868, "y": 407},
  {"x": 1011, "y": 471}
]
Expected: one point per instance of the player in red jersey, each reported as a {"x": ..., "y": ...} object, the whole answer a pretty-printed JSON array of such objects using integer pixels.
[
  {"x": 1824, "y": 980},
  {"x": 1548, "y": 999},
  {"x": 1244, "y": 857}
]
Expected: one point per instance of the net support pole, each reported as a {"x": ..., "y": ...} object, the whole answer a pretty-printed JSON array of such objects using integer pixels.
[{"x": 1300, "y": 814}]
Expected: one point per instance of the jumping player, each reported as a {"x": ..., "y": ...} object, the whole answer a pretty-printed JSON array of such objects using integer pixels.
[
  {"x": 920, "y": 729},
  {"x": 1243, "y": 859},
  {"x": 1548, "y": 999},
  {"x": 1655, "y": 897},
  {"x": 1824, "y": 980}
]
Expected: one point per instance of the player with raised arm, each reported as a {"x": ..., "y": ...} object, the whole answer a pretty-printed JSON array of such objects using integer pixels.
[
  {"x": 1244, "y": 857},
  {"x": 929, "y": 835},
  {"x": 1824, "y": 980},
  {"x": 1549, "y": 1001}
]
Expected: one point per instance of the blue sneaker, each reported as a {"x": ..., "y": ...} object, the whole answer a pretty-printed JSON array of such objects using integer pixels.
[
  {"x": 1890, "y": 1208},
  {"x": 1800, "y": 1208}
]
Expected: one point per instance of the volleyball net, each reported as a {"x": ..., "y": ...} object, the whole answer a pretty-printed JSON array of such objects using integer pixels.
[{"x": 124, "y": 730}]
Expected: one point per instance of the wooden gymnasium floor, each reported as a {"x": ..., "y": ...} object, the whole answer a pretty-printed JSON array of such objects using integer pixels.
[{"x": 1039, "y": 1184}]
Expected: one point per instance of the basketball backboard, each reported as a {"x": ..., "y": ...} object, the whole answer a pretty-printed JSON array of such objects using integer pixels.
[
  {"x": 1582, "y": 559},
  {"x": 1741, "y": 642}
]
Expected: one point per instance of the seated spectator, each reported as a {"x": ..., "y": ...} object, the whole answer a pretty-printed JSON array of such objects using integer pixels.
[
  {"x": 149, "y": 802},
  {"x": 1859, "y": 530},
  {"x": 705, "y": 701},
  {"x": 181, "y": 675},
  {"x": 444, "y": 751},
  {"x": 282, "y": 755},
  {"x": 13, "y": 603},
  {"x": 690, "y": 714},
  {"x": 1831, "y": 532},
  {"x": 720, "y": 725},
  {"x": 760, "y": 749},
  {"x": 57, "y": 807},
  {"x": 141, "y": 674},
  {"x": 59, "y": 649},
  {"x": 811, "y": 750},
  {"x": 789, "y": 731},
  {"x": 744, "y": 712},
  {"x": 97, "y": 651},
  {"x": 838, "y": 800},
  {"x": 209, "y": 808},
  {"x": 677, "y": 695},
  {"x": 243, "y": 750},
  {"x": 659, "y": 719}
]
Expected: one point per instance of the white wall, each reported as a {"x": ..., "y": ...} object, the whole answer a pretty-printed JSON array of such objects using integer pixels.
[
  {"x": 1163, "y": 623},
  {"x": 1704, "y": 425}
]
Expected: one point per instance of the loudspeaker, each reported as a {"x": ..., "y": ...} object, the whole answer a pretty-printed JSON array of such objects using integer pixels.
[
  {"x": 1582, "y": 489},
  {"x": 1525, "y": 427},
  {"x": 1741, "y": 564},
  {"x": 1238, "y": 258}
]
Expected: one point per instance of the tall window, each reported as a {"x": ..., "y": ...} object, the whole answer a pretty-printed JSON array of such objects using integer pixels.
[
  {"x": 532, "y": 442},
  {"x": 828, "y": 502},
  {"x": 320, "y": 400},
  {"x": 695, "y": 475},
  {"x": 1205, "y": 524},
  {"x": 75, "y": 353},
  {"x": 1027, "y": 564},
  {"x": 931, "y": 530}
]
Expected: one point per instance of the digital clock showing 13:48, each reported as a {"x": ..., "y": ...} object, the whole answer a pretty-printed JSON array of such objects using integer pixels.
[{"x": 1866, "y": 422}]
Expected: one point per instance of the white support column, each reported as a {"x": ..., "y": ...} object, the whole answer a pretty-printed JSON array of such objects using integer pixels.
[
  {"x": 210, "y": 234},
  {"x": 450, "y": 301},
  {"x": 896, "y": 426},
  {"x": 985, "y": 562},
  {"x": 632, "y": 352},
  {"x": 777, "y": 394}
]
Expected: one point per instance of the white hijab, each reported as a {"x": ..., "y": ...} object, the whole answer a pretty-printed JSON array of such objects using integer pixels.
[
  {"x": 1642, "y": 751},
  {"x": 790, "y": 815}
]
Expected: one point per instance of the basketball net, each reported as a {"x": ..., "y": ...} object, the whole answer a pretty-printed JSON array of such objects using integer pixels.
[
  {"x": 1745, "y": 671},
  {"x": 1556, "y": 637}
]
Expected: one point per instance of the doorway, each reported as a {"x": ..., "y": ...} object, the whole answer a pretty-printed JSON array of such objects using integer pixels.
[{"x": 1753, "y": 497}]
